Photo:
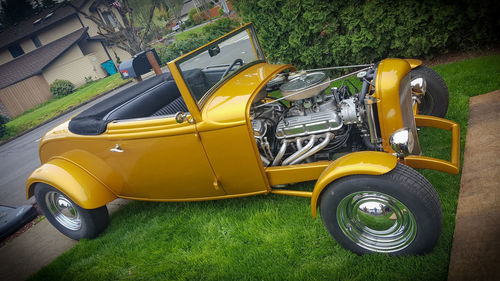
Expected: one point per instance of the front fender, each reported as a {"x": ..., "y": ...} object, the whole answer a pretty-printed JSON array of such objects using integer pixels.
[
  {"x": 414, "y": 63},
  {"x": 364, "y": 162},
  {"x": 74, "y": 181}
]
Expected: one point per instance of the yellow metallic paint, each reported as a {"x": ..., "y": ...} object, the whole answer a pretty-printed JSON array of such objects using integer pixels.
[
  {"x": 72, "y": 180},
  {"x": 235, "y": 165},
  {"x": 156, "y": 162},
  {"x": 389, "y": 75},
  {"x": 306, "y": 194},
  {"x": 414, "y": 62},
  {"x": 453, "y": 166},
  {"x": 295, "y": 173},
  {"x": 225, "y": 129},
  {"x": 356, "y": 163},
  {"x": 229, "y": 196}
]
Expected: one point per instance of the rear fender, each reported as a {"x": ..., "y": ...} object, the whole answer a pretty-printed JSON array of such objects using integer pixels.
[
  {"x": 364, "y": 162},
  {"x": 73, "y": 180}
]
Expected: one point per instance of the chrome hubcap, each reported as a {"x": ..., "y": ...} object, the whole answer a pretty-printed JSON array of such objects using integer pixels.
[
  {"x": 376, "y": 221},
  {"x": 63, "y": 210}
]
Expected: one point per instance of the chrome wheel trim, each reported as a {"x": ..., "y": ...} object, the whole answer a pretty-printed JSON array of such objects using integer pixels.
[
  {"x": 376, "y": 221},
  {"x": 61, "y": 208}
]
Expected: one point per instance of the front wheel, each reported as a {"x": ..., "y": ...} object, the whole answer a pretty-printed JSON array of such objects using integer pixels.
[
  {"x": 436, "y": 98},
  {"x": 69, "y": 218},
  {"x": 395, "y": 213}
]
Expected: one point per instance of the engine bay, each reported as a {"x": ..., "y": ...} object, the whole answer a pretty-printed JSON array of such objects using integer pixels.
[{"x": 312, "y": 121}]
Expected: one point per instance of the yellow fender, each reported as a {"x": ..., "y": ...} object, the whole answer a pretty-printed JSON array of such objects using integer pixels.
[
  {"x": 413, "y": 62},
  {"x": 363, "y": 162},
  {"x": 72, "y": 180}
]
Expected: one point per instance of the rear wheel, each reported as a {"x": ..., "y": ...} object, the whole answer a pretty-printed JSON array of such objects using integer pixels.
[
  {"x": 436, "y": 99},
  {"x": 69, "y": 218},
  {"x": 395, "y": 213}
]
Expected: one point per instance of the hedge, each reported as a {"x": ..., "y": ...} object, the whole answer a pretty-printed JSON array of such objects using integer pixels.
[
  {"x": 318, "y": 33},
  {"x": 3, "y": 121},
  {"x": 61, "y": 87}
]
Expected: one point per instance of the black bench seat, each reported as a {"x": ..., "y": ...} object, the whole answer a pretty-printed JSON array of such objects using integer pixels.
[{"x": 155, "y": 96}]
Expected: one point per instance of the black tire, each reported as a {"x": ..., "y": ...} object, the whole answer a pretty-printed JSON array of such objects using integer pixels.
[
  {"x": 417, "y": 199},
  {"x": 80, "y": 223},
  {"x": 437, "y": 98}
]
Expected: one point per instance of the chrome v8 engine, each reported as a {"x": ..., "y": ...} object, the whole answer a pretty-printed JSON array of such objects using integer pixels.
[{"x": 309, "y": 125}]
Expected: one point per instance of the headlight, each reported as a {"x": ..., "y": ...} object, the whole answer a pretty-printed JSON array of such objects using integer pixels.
[
  {"x": 418, "y": 86},
  {"x": 402, "y": 141}
]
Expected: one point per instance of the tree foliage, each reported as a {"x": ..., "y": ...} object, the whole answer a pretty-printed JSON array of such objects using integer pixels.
[
  {"x": 13, "y": 11},
  {"x": 137, "y": 19},
  {"x": 322, "y": 33}
]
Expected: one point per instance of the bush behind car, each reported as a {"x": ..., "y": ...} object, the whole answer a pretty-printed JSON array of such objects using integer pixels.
[{"x": 322, "y": 33}]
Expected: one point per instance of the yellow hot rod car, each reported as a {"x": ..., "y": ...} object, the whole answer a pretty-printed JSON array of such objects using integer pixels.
[{"x": 209, "y": 129}]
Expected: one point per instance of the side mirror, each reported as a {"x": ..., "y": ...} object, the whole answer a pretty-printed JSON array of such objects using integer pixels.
[{"x": 214, "y": 50}]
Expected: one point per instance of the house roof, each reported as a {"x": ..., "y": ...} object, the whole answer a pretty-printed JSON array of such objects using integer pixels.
[
  {"x": 46, "y": 18},
  {"x": 34, "y": 62}
]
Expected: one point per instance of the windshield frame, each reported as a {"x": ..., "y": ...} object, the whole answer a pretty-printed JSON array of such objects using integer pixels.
[{"x": 259, "y": 53}]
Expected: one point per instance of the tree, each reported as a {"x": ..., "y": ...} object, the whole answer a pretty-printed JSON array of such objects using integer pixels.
[
  {"x": 174, "y": 7},
  {"x": 14, "y": 11},
  {"x": 40, "y": 5},
  {"x": 131, "y": 35}
]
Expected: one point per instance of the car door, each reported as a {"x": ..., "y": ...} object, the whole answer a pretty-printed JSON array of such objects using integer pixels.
[{"x": 160, "y": 159}]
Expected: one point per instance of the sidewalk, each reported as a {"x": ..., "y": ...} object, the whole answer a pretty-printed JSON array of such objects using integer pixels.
[
  {"x": 36, "y": 248},
  {"x": 475, "y": 254}
]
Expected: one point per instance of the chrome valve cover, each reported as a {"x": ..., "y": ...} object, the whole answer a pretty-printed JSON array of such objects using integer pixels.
[{"x": 326, "y": 120}]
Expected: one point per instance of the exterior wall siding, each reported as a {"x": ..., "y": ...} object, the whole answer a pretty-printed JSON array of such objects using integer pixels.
[
  {"x": 5, "y": 56},
  {"x": 60, "y": 30},
  {"x": 124, "y": 55},
  {"x": 74, "y": 66},
  {"x": 24, "y": 95},
  {"x": 96, "y": 49},
  {"x": 27, "y": 45}
]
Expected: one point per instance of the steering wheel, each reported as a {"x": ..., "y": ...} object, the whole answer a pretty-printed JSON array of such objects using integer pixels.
[{"x": 236, "y": 61}]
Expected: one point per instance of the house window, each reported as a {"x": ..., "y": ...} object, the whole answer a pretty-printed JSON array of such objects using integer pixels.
[
  {"x": 16, "y": 50},
  {"x": 109, "y": 18},
  {"x": 85, "y": 47},
  {"x": 36, "y": 41}
]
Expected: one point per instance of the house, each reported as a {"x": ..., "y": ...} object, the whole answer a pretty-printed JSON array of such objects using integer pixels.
[
  {"x": 56, "y": 44},
  {"x": 194, "y": 4}
]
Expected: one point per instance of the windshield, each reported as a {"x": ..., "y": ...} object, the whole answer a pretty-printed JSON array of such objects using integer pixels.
[{"x": 204, "y": 69}]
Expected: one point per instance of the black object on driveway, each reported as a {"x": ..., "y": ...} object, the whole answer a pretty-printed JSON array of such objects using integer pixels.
[{"x": 11, "y": 219}]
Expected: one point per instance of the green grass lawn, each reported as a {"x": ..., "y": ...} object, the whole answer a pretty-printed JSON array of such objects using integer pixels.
[
  {"x": 185, "y": 34},
  {"x": 269, "y": 237},
  {"x": 56, "y": 106}
]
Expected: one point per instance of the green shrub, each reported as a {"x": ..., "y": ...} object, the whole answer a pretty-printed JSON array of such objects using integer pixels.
[
  {"x": 88, "y": 80},
  {"x": 61, "y": 87},
  {"x": 221, "y": 12},
  {"x": 191, "y": 13},
  {"x": 3, "y": 120},
  {"x": 319, "y": 33}
]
